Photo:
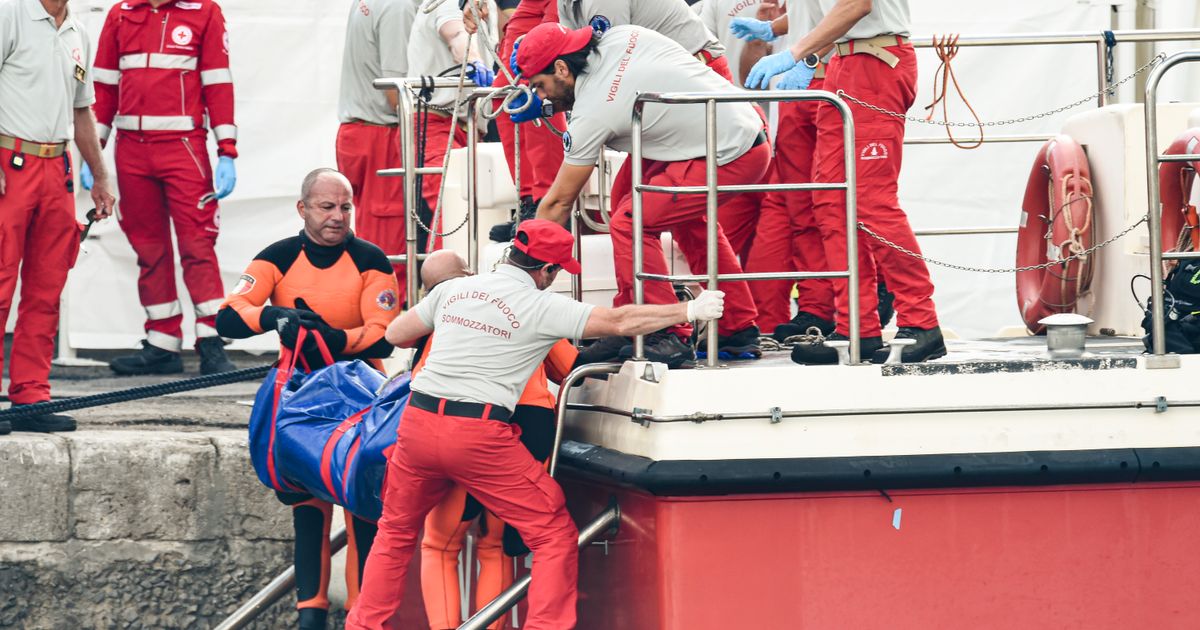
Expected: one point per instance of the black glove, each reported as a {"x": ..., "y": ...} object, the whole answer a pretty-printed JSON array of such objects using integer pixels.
[{"x": 335, "y": 338}]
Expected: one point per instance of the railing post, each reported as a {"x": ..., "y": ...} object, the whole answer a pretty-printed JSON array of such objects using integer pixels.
[
  {"x": 639, "y": 341},
  {"x": 408, "y": 149},
  {"x": 1102, "y": 70},
  {"x": 710, "y": 178},
  {"x": 577, "y": 250},
  {"x": 850, "y": 170},
  {"x": 1159, "y": 357}
]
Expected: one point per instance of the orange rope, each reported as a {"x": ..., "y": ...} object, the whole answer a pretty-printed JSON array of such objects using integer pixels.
[{"x": 947, "y": 48}]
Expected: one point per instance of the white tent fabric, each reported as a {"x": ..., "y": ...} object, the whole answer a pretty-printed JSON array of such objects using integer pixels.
[{"x": 286, "y": 59}]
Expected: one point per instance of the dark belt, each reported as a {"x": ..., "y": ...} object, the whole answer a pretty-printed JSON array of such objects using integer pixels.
[
  {"x": 461, "y": 409},
  {"x": 759, "y": 139}
]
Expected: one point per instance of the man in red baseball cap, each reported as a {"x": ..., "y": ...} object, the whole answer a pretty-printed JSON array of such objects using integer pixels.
[
  {"x": 597, "y": 78},
  {"x": 492, "y": 331}
]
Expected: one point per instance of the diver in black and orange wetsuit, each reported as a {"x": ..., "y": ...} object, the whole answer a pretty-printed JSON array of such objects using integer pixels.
[
  {"x": 326, "y": 280},
  {"x": 447, "y": 524}
]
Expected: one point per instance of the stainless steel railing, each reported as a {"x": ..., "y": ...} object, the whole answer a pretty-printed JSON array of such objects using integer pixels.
[
  {"x": 712, "y": 189},
  {"x": 1160, "y": 358}
]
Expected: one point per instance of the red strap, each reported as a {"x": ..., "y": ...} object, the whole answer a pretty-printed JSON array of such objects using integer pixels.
[
  {"x": 349, "y": 462},
  {"x": 331, "y": 443}
]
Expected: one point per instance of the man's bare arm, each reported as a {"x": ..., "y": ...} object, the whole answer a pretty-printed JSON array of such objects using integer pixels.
[
  {"x": 556, "y": 205},
  {"x": 406, "y": 329},
  {"x": 844, "y": 15},
  {"x": 89, "y": 148}
]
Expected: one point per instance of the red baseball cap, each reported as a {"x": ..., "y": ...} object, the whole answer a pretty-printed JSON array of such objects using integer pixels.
[
  {"x": 548, "y": 242},
  {"x": 547, "y": 41}
]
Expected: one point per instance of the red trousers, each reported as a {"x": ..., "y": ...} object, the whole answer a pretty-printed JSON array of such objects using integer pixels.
[
  {"x": 684, "y": 216},
  {"x": 39, "y": 239},
  {"x": 787, "y": 238},
  {"x": 541, "y": 150},
  {"x": 432, "y": 453},
  {"x": 363, "y": 149},
  {"x": 879, "y": 145},
  {"x": 162, "y": 183}
]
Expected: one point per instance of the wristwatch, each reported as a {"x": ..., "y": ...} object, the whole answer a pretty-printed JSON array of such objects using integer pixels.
[{"x": 812, "y": 61}]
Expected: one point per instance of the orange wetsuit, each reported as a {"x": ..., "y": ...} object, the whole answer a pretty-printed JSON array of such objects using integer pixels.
[
  {"x": 448, "y": 522},
  {"x": 352, "y": 288}
]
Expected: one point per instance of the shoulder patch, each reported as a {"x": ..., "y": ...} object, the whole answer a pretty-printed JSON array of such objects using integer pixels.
[
  {"x": 245, "y": 284},
  {"x": 600, "y": 24},
  {"x": 367, "y": 256},
  {"x": 566, "y": 141},
  {"x": 386, "y": 299}
]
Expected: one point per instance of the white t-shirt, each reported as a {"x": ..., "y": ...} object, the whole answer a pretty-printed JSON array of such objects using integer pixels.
[
  {"x": 716, "y": 15},
  {"x": 376, "y": 47},
  {"x": 45, "y": 72},
  {"x": 887, "y": 17},
  {"x": 491, "y": 331},
  {"x": 429, "y": 54},
  {"x": 630, "y": 60},
  {"x": 672, "y": 18}
]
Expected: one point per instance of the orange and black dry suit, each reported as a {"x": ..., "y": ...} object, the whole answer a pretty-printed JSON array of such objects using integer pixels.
[
  {"x": 448, "y": 522},
  {"x": 352, "y": 288}
]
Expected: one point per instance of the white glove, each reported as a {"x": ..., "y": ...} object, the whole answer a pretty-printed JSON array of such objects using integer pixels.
[{"x": 707, "y": 305}]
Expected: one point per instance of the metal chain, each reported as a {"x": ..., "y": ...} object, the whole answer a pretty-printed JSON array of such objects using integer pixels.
[
  {"x": 1045, "y": 265},
  {"x": 998, "y": 123}
]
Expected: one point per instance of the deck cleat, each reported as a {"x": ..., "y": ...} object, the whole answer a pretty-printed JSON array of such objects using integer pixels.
[{"x": 895, "y": 347}]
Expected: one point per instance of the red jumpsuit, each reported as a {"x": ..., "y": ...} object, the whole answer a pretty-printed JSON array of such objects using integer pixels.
[
  {"x": 879, "y": 145},
  {"x": 541, "y": 150},
  {"x": 787, "y": 238},
  {"x": 159, "y": 72}
]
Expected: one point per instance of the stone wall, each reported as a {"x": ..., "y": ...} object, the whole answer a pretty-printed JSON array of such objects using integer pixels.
[{"x": 135, "y": 529}]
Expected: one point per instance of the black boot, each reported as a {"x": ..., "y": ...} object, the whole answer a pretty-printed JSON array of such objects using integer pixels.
[
  {"x": 664, "y": 347},
  {"x": 815, "y": 353},
  {"x": 800, "y": 325},
  {"x": 151, "y": 360},
  {"x": 885, "y": 309},
  {"x": 5, "y": 427},
  {"x": 44, "y": 423},
  {"x": 212, "y": 356},
  {"x": 930, "y": 345},
  {"x": 504, "y": 232},
  {"x": 603, "y": 350},
  {"x": 312, "y": 618},
  {"x": 742, "y": 344}
]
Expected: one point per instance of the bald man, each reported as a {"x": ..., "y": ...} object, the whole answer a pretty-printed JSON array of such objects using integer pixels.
[
  {"x": 447, "y": 524},
  {"x": 326, "y": 280}
]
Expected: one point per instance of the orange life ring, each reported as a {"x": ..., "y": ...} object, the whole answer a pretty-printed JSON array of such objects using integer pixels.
[
  {"x": 1180, "y": 228},
  {"x": 1056, "y": 222}
]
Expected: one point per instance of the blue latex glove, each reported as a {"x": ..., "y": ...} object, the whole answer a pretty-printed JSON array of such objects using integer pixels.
[
  {"x": 751, "y": 29},
  {"x": 85, "y": 176},
  {"x": 226, "y": 177},
  {"x": 769, "y": 66},
  {"x": 797, "y": 78},
  {"x": 481, "y": 75},
  {"x": 533, "y": 112},
  {"x": 512, "y": 59}
]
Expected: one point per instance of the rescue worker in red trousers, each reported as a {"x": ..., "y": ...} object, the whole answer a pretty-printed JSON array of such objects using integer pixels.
[
  {"x": 541, "y": 150},
  {"x": 491, "y": 331},
  {"x": 368, "y": 137},
  {"x": 162, "y": 67},
  {"x": 597, "y": 78},
  {"x": 874, "y": 63},
  {"x": 327, "y": 280},
  {"x": 45, "y": 90},
  {"x": 447, "y": 524},
  {"x": 787, "y": 238},
  {"x": 438, "y": 45}
]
